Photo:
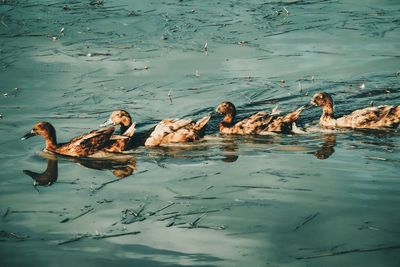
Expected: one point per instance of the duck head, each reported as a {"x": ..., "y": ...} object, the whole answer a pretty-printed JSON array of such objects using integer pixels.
[
  {"x": 119, "y": 117},
  {"x": 323, "y": 100},
  {"x": 46, "y": 130},
  {"x": 229, "y": 110}
]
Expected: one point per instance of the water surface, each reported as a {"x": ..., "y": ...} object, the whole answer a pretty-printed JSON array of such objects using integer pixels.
[{"x": 264, "y": 201}]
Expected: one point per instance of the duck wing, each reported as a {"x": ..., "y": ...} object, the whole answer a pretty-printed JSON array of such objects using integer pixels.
[
  {"x": 372, "y": 117},
  {"x": 87, "y": 144},
  {"x": 251, "y": 125},
  {"x": 283, "y": 124},
  {"x": 121, "y": 142},
  {"x": 177, "y": 131},
  {"x": 201, "y": 124}
]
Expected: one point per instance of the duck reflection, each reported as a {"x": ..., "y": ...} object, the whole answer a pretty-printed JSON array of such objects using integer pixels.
[
  {"x": 120, "y": 168},
  {"x": 327, "y": 148},
  {"x": 211, "y": 149},
  {"x": 46, "y": 178},
  {"x": 229, "y": 147}
]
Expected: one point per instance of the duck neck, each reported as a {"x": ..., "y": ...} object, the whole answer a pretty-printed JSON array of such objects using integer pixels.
[
  {"x": 228, "y": 120},
  {"x": 125, "y": 124},
  {"x": 51, "y": 141},
  {"x": 327, "y": 111}
]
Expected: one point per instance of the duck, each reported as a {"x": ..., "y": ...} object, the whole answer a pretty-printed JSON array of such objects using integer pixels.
[
  {"x": 380, "y": 117},
  {"x": 120, "y": 142},
  {"x": 80, "y": 146},
  {"x": 260, "y": 123},
  {"x": 170, "y": 131}
]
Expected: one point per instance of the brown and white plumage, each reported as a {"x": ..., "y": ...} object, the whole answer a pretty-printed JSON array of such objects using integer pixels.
[
  {"x": 177, "y": 131},
  {"x": 80, "y": 146},
  {"x": 260, "y": 123},
  {"x": 120, "y": 142},
  {"x": 367, "y": 118}
]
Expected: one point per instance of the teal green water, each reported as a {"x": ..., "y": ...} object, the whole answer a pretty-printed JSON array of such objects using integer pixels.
[{"x": 261, "y": 201}]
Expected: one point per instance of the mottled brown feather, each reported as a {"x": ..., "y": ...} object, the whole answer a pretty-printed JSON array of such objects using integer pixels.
[
  {"x": 177, "y": 131},
  {"x": 259, "y": 123},
  {"x": 81, "y": 146},
  {"x": 121, "y": 142}
]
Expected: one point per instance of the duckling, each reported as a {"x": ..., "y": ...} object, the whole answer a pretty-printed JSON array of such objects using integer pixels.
[
  {"x": 81, "y": 146},
  {"x": 177, "y": 131},
  {"x": 367, "y": 118},
  {"x": 120, "y": 142},
  {"x": 260, "y": 123}
]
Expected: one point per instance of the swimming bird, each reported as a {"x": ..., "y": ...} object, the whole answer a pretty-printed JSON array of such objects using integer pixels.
[
  {"x": 81, "y": 146},
  {"x": 367, "y": 118},
  {"x": 177, "y": 131},
  {"x": 260, "y": 123},
  {"x": 120, "y": 142}
]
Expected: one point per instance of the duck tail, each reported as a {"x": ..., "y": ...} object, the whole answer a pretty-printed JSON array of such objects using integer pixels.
[
  {"x": 130, "y": 131},
  {"x": 293, "y": 116},
  {"x": 200, "y": 124}
]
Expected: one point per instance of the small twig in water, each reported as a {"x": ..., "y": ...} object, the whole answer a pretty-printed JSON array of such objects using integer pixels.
[
  {"x": 287, "y": 11},
  {"x": 194, "y": 223},
  {"x": 6, "y": 212},
  {"x": 78, "y": 216},
  {"x": 163, "y": 208},
  {"x": 116, "y": 235},
  {"x": 357, "y": 250},
  {"x": 104, "y": 184},
  {"x": 77, "y": 238},
  {"x": 307, "y": 219},
  {"x": 13, "y": 235},
  {"x": 270, "y": 187},
  {"x": 170, "y": 96}
]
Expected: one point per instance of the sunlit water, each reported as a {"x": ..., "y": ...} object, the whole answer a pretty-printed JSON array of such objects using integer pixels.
[{"x": 265, "y": 201}]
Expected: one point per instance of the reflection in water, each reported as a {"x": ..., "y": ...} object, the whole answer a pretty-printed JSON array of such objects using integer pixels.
[
  {"x": 48, "y": 177},
  {"x": 327, "y": 148},
  {"x": 225, "y": 149},
  {"x": 119, "y": 168},
  {"x": 230, "y": 149}
]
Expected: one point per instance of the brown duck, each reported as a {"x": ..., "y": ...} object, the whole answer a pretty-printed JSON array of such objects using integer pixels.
[
  {"x": 81, "y": 146},
  {"x": 120, "y": 142},
  {"x": 367, "y": 118},
  {"x": 260, "y": 123},
  {"x": 177, "y": 131}
]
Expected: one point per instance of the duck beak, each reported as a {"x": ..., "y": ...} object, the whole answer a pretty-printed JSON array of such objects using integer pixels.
[
  {"x": 309, "y": 105},
  {"x": 107, "y": 123},
  {"x": 28, "y": 135}
]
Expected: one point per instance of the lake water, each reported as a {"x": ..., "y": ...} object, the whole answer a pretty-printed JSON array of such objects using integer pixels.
[{"x": 316, "y": 199}]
